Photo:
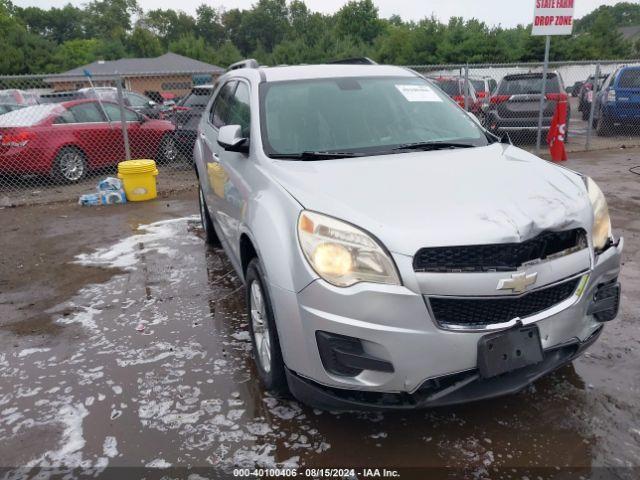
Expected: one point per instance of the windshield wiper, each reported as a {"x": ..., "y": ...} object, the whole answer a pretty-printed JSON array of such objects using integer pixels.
[
  {"x": 433, "y": 145},
  {"x": 308, "y": 155}
]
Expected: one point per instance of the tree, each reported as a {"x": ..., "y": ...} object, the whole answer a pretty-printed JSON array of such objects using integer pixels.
[
  {"x": 359, "y": 19},
  {"x": 110, "y": 18},
  {"x": 193, "y": 47},
  {"x": 209, "y": 25},
  {"x": 144, "y": 43},
  {"x": 74, "y": 53}
]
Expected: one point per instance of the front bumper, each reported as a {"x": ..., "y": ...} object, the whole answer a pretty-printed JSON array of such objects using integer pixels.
[
  {"x": 460, "y": 388},
  {"x": 395, "y": 326}
]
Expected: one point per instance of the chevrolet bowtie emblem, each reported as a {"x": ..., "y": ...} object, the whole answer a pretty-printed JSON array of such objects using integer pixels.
[{"x": 518, "y": 282}]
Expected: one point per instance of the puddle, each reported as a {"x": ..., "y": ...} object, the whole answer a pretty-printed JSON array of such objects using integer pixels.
[{"x": 156, "y": 372}]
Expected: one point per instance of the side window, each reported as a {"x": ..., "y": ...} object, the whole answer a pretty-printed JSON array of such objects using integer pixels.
[
  {"x": 113, "y": 113},
  {"x": 137, "y": 100},
  {"x": 220, "y": 110},
  {"x": 240, "y": 111},
  {"x": 87, "y": 113},
  {"x": 65, "y": 117}
]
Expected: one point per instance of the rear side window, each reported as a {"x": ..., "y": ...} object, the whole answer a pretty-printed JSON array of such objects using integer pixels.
[
  {"x": 87, "y": 113},
  {"x": 65, "y": 117},
  {"x": 528, "y": 85},
  {"x": 220, "y": 112},
  {"x": 137, "y": 100},
  {"x": 629, "y": 79},
  {"x": 113, "y": 113}
]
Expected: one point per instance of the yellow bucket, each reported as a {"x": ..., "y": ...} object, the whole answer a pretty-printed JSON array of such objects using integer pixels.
[{"x": 139, "y": 179}]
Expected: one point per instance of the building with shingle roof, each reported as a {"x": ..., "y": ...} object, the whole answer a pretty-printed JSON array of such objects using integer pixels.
[{"x": 168, "y": 73}]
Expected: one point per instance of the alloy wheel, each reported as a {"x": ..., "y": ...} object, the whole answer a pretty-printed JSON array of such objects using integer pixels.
[
  {"x": 71, "y": 166},
  {"x": 260, "y": 325}
]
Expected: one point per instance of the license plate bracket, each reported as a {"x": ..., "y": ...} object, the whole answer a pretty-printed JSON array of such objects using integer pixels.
[{"x": 509, "y": 350}]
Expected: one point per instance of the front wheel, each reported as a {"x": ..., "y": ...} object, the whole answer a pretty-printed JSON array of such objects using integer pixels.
[{"x": 262, "y": 328}]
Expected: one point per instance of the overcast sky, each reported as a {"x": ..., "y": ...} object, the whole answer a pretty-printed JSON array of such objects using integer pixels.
[{"x": 505, "y": 12}]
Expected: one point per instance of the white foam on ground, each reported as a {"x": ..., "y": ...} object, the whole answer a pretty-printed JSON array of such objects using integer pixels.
[
  {"x": 30, "y": 351},
  {"x": 110, "y": 447},
  {"x": 158, "y": 463},
  {"x": 125, "y": 253},
  {"x": 69, "y": 453}
]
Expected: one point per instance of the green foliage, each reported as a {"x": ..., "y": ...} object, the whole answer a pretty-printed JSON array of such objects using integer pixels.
[
  {"x": 72, "y": 53},
  {"x": 35, "y": 40}
]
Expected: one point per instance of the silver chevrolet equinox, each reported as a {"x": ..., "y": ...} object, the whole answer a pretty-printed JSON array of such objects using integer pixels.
[{"x": 394, "y": 253}]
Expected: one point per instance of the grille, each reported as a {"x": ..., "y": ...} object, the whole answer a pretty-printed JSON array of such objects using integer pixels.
[
  {"x": 501, "y": 257},
  {"x": 478, "y": 312}
]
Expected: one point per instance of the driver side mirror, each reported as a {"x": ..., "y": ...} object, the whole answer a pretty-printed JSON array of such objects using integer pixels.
[{"x": 230, "y": 138}]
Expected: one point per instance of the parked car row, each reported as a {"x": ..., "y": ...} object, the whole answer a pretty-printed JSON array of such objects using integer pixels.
[
  {"x": 511, "y": 105},
  {"x": 67, "y": 140}
]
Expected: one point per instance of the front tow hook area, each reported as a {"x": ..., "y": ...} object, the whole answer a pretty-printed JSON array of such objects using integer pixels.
[
  {"x": 606, "y": 301},
  {"x": 345, "y": 356}
]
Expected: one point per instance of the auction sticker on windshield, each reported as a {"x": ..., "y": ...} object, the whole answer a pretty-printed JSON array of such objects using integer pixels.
[{"x": 418, "y": 93}]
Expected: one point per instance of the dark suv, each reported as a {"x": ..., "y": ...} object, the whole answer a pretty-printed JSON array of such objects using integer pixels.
[
  {"x": 186, "y": 117},
  {"x": 515, "y": 104},
  {"x": 585, "y": 96}
]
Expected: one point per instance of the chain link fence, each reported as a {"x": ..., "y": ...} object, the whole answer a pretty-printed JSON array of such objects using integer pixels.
[{"x": 59, "y": 135}]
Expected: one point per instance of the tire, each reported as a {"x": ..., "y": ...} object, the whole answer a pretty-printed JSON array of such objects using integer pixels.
[
  {"x": 603, "y": 127},
  {"x": 168, "y": 150},
  {"x": 262, "y": 329},
  {"x": 69, "y": 166},
  {"x": 210, "y": 235}
]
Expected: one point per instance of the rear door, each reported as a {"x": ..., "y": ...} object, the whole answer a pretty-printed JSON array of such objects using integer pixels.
[
  {"x": 627, "y": 89},
  {"x": 141, "y": 143},
  {"x": 94, "y": 134}
]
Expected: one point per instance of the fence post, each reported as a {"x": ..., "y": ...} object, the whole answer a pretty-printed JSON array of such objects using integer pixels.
[
  {"x": 123, "y": 120},
  {"x": 544, "y": 91},
  {"x": 466, "y": 87},
  {"x": 596, "y": 87}
]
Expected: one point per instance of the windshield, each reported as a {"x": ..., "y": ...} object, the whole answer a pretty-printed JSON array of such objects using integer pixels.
[
  {"x": 360, "y": 115},
  {"x": 629, "y": 79},
  {"x": 529, "y": 85}
]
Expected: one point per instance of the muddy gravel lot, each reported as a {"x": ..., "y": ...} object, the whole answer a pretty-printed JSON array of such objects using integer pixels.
[{"x": 124, "y": 351}]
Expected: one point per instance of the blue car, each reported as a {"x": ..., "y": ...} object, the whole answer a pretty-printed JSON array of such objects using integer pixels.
[{"x": 618, "y": 103}]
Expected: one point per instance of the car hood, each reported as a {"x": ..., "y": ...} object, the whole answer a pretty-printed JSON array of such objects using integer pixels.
[{"x": 493, "y": 194}]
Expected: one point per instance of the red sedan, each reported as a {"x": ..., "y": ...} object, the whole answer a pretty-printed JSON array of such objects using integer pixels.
[{"x": 67, "y": 140}]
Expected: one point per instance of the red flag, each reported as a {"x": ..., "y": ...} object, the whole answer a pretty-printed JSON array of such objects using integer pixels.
[{"x": 555, "y": 137}]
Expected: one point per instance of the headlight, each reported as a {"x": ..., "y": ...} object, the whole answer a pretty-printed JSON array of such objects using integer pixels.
[
  {"x": 343, "y": 254},
  {"x": 601, "y": 234}
]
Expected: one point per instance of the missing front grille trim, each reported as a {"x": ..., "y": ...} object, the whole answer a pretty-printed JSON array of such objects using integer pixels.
[{"x": 499, "y": 257}]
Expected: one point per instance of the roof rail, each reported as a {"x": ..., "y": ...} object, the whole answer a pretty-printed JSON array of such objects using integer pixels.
[
  {"x": 248, "y": 63},
  {"x": 355, "y": 61}
]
